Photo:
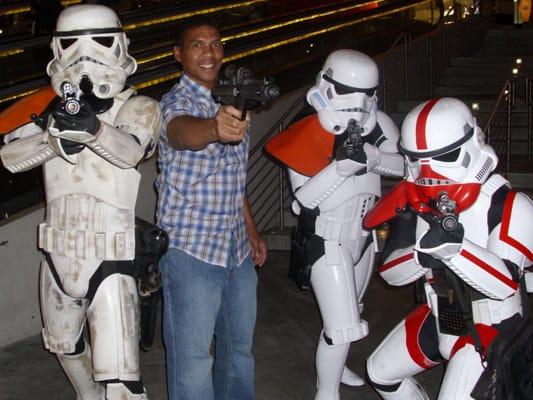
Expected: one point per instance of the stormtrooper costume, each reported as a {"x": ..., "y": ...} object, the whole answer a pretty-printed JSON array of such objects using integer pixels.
[
  {"x": 468, "y": 234},
  {"x": 335, "y": 160},
  {"x": 89, "y": 142}
]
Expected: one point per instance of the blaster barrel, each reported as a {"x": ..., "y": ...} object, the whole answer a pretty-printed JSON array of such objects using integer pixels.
[{"x": 241, "y": 90}]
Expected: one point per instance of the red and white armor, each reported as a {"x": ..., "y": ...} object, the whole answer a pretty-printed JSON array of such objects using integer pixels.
[
  {"x": 89, "y": 233},
  {"x": 446, "y": 153},
  {"x": 337, "y": 193}
]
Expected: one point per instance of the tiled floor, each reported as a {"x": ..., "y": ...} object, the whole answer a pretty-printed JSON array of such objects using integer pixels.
[{"x": 287, "y": 330}]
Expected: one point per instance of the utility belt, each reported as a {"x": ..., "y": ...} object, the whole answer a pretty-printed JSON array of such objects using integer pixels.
[
  {"x": 492, "y": 312},
  {"x": 334, "y": 230},
  {"x": 484, "y": 311},
  {"x": 87, "y": 244}
]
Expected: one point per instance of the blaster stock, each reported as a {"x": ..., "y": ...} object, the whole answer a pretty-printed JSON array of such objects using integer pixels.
[{"x": 242, "y": 91}]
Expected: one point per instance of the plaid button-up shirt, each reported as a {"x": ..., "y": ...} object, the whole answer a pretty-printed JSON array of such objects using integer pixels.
[{"x": 201, "y": 193}]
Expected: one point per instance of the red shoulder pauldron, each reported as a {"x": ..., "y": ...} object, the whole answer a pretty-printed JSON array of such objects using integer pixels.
[
  {"x": 304, "y": 147},
  {"x": 19, "y": 113},
  {"x": 387, "y": 207}
]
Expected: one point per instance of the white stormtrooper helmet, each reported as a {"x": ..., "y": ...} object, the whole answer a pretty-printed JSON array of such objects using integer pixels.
[
  {"x": 89, "y": 44},
  {"x": 445, "y": 151},
  {"x": 345, "y": 90}
]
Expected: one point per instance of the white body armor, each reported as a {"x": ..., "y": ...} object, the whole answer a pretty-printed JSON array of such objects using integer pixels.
[
  {"x": 89, "y": 145},
  {"x": 341, "y": 274},
  {"x": 90, "y": 205},
  {"x": 494, "y": 230}
]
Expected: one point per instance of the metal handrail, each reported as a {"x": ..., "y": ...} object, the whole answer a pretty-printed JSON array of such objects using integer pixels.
[
  {"x": 503, "y": 107},
  {"x": 405, "y": 43}
]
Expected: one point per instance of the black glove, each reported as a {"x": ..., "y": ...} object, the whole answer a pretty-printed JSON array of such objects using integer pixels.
[
  {"x": 84, "y": 120},
  {"x": 352, "y": 151},
  {"x": 440, "y": 243}
]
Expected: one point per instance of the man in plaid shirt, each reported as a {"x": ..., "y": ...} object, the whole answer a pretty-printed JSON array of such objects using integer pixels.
[{"x": 209, "y": 279}]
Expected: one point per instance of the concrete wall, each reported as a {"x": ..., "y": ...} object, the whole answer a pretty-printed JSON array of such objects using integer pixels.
[{"x": 20, "y": 258}]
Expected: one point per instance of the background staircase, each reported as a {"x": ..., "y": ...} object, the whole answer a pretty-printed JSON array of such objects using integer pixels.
[{"x": 480, "y": 80}]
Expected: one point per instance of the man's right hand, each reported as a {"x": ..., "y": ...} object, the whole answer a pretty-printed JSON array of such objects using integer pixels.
[{"x": 228, "y": 126}]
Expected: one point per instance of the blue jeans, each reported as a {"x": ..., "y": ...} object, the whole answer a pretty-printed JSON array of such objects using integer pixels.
[{"x": 202, "y": 300}]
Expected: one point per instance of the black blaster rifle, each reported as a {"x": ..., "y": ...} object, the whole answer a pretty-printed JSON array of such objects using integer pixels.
[
  {"x": 242, "y": 91},
  {"x": 445, "y": 211},
  {"x": 353, "y": 138},
  {"x": 70, "y": 98}
]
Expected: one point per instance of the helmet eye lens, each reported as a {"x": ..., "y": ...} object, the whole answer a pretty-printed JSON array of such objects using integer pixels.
[
  {"x": 340, "y": 90},
  {"x": 343, "y": 89},
  {"x": 106, "y": 41},
  {"x": 449, "y": 156},
  {"x": 66, "y": 43}
]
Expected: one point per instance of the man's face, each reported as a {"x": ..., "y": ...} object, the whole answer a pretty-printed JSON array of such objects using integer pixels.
[{"x": 200, "y": 54}]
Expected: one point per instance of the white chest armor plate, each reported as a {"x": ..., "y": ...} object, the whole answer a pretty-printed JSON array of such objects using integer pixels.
[{"x": 90, "y": 206}]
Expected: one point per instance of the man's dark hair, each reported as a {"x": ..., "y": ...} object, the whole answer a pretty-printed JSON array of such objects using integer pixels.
[{"x": 191, "y": 23}]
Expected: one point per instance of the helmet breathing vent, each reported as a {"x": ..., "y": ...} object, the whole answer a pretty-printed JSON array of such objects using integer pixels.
[{"x": 484, "y": 169}]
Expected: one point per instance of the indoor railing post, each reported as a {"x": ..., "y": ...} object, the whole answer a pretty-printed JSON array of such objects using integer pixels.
[
  {"x": 429, "y": 62},
  {"x": 529, "y": 112},
  {"x": 281, "y": 193},
  {"x": 384, "y": 86},
  {"x": 510, "y": 106},
  {"x": 406, "y": 65}
]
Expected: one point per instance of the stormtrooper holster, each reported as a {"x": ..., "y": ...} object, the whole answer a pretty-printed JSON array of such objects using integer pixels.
[
  {"x": 301, "y": 247},
  {"x": 150, "y": 244}
]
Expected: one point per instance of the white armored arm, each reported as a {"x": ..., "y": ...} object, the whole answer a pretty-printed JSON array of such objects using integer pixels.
[
  {"x": 322, "y": 185},
  {"x": 297, "y": 180},
  {"x": 483, "y": 270},
  {"x": 510, "y": 240},
  {"x": 383, "y": 158},
  {"x": 140, "y": 117},
  {"x": 137, "y": 128},
  {"x": 26, "y": 148},
  {"x": 400, "y": 267},
  {"x": 382, "y": 163}
]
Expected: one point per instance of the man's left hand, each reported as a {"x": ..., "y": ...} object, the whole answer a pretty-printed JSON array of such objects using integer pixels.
[{"x": 258, "y": 249}]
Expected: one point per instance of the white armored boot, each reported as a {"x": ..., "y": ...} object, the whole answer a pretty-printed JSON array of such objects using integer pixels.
[
  {"x": 409, "y": 389},
  {"x": 78, "y": 369},
  {"x": 330, "y": 361},
  {"x": 117, "y": 391},
  {"x": 350, "y": 378}
]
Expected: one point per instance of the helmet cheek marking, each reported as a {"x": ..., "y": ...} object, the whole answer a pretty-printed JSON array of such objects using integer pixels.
[{"x": 466, "y": 160}]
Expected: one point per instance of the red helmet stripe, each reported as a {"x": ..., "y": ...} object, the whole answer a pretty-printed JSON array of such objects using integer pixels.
[{"x": 421, "y": 142}]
